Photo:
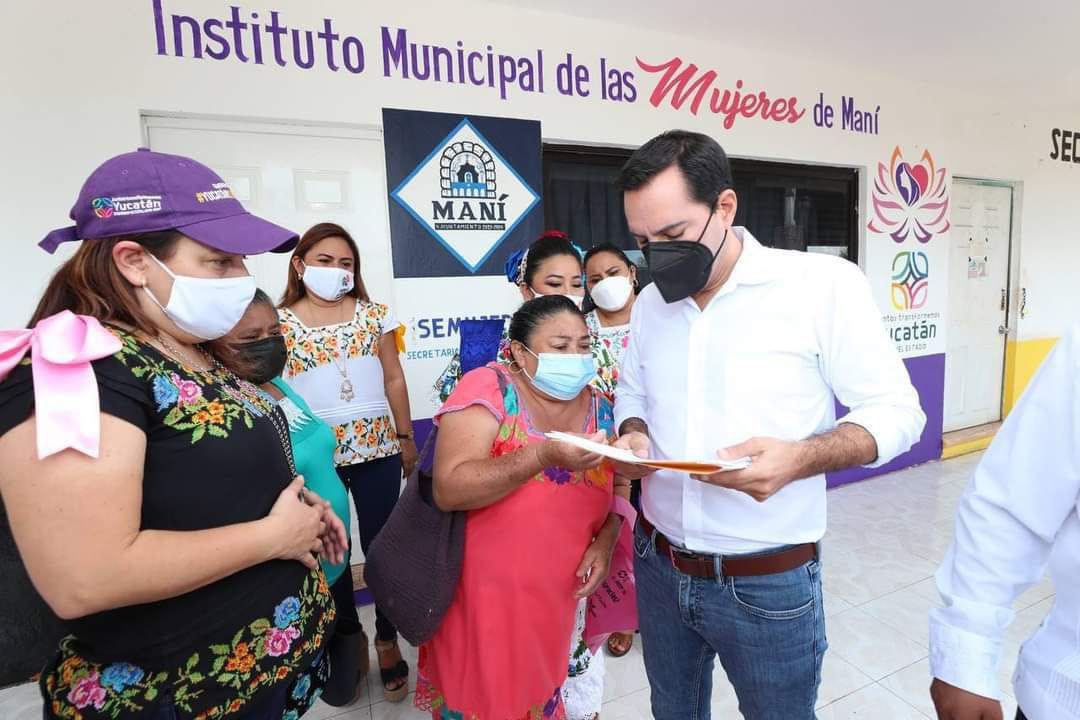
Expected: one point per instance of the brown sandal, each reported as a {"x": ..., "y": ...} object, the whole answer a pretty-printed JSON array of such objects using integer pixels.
[
  {"x": 617, "y": 639},
  {"x": 393, "y": 672}
]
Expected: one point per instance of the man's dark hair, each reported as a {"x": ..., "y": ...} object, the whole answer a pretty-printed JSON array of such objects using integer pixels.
[{"x": 702, "y": 161}]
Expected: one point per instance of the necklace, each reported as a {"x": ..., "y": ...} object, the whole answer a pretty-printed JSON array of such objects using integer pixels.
[
  {"x": 172, "y": 351},
  {"x": 340, "y": 361},
  {"x": 256, "y": 396}
]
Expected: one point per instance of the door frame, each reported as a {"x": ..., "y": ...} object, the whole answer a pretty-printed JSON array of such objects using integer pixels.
[{"x": 1012, "y": 277}]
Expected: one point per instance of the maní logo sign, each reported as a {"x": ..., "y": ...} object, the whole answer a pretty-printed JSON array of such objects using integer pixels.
[
  {"x": 910, "y": 280},
  {"x": 466, "y": 195}
]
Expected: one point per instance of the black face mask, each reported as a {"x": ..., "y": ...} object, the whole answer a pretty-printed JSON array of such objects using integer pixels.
[
  {"x": 681, "y": 268},
  {"x": 263, "y": 360}
]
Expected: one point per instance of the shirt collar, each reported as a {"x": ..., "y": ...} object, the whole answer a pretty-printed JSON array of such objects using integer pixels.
[{"x": 754, "y": 266}]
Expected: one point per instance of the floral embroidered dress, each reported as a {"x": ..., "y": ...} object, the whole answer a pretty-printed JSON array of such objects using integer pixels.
[
  {"x": 501, "y": 651},
  {"x": 608, "y": 347},
  {"x": 213, "y": 459},
  {"x": 322, "y": 358}
]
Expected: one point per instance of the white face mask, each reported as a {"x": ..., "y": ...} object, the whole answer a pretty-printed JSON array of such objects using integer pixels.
[
  {"x": 611, "y": 294},
  {"x": 329, "y": 283},
  {"x": 207, "y": 308},
  {"x": 576, "y": 299}
]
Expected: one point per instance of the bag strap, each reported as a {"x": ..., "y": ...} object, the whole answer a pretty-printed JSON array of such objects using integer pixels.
[{"x": 429, "y": 442}]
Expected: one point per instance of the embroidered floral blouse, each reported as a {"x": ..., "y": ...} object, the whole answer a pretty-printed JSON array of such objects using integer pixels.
[
  {"x": 213, "y": 458},
  {"x": 608, "y": 347},
  {"x": 317, "y": 358}
]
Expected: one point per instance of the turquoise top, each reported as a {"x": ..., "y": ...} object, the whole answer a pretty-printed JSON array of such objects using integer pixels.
[{"x": 314, "y": 445}]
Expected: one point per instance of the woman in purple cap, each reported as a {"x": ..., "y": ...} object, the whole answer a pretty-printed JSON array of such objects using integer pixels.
[{"x": 150, "y": 491}]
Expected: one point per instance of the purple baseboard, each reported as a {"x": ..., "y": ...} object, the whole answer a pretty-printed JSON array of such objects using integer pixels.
[{"x": 928, "y": 377}]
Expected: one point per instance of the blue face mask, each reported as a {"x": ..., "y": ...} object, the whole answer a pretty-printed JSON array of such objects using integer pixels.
[{"x": 562, "y": 376}]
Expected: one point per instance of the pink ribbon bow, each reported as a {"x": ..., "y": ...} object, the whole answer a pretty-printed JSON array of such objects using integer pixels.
[{"x": 61, "y": 347}]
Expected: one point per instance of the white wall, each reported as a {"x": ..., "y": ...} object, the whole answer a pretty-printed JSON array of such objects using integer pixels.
[{"x": 77, "y": 77}]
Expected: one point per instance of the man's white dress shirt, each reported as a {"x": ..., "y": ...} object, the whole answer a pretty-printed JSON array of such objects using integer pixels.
[
  {"x": 1020, "y": 510},
  {"x": 787, "y": 331}
]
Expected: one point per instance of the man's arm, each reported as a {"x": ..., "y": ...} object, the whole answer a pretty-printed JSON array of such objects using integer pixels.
[
  {"x": 631, "y": 406},
  {"x": 1020, "y": 496},
  {"x": 866, "y": 374}
]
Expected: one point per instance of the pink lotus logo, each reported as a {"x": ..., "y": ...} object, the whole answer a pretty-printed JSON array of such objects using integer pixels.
[{"x": 910, "y": 199}]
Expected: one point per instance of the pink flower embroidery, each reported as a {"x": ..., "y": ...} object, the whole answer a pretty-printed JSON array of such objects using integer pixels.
[
  {"x": 190, "y": 393},
  {"x": 88, "y": 692},
  {"x": 279, "y": 641}
]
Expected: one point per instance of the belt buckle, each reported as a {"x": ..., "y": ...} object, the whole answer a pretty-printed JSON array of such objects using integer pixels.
[{"x": 681, "y": 552}]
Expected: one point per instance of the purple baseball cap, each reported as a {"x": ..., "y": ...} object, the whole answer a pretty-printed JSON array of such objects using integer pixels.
[{"x": 147, "y": 191}]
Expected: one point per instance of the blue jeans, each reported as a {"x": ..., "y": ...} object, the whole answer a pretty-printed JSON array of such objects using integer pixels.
[{"x": 768, "y": 632}]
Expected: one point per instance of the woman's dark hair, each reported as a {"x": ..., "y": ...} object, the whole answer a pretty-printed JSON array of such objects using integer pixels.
[
  {"x": 316, "y": 234},
  {"x": 89, "y": 283},
  {"x": 616, "y": 251},
  {"x": 607, "y": 248},
  {"x": 530, "y": 315},
  {"x": 702, "y": 161},
  {"x": 261, "y": 298},
  {"x": 224, "y": 352},
  {"x": 551, "y": 244}
]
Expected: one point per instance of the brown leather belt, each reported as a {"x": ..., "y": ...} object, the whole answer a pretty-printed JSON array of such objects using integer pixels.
[{"x": 703, "y": 565}]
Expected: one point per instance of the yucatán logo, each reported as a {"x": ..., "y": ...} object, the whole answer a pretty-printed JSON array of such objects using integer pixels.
[
  {"x": 221, "y": 191},
  {"x": 107, "y": 207},
  {"x": 466, "y": 195}
]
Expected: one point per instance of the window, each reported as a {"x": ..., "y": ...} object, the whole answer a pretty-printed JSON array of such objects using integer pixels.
[{"x": 798, "y": 207}]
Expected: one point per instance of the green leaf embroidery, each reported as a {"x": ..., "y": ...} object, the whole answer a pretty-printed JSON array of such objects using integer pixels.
[
  {"x": 192, "y": 662},
  {"x": 220, "y": 649},
  {"x": 217, "y": 431},
  {"x": 219, "y": 663},
  {"x": 175, "y": 416},
  {"x": 151, "y": 693},
  {"x": 196, "y": 436},
  {"x": 259, "y": 626}
]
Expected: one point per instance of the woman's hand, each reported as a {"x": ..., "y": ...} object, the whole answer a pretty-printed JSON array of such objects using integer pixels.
[
  {"x": 297, "y": 526},
  {"x": 410, "y": 456},
  {"x": 596, "y": 562},
  {"x": 335, "y": 537},
  {"x": 554, "y": 453}
]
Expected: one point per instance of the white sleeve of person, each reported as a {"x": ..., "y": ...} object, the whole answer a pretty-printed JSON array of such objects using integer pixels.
[
  {"x": 864, "y": 370},
  {"x": 1019, "y": 498},
  {"x": 629, "y": 393}
]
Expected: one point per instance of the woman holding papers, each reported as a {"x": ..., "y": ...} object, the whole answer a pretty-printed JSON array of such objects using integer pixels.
[{"x": 539, "y": 534}]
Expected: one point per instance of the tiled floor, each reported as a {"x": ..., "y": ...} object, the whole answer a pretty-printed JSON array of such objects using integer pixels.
[{"x": 886, "y": 538}]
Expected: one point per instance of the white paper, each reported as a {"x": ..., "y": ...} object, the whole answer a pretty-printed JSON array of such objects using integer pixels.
[{"x": 626, "y": 456}]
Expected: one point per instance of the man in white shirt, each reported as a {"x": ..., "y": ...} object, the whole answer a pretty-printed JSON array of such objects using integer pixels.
[
  {"x": 1020, "y": 511},
  {"x": 740, "y": 350}
]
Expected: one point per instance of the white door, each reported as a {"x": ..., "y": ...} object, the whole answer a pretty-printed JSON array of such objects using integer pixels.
[
  {"x": 296, "y": 176},
  {"x": 978, "y": 303}
]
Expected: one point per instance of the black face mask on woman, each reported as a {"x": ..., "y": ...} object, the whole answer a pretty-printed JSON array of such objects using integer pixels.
[
  {"x": 262, "y": 360},
  {"x": 681, "y": 268}
]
